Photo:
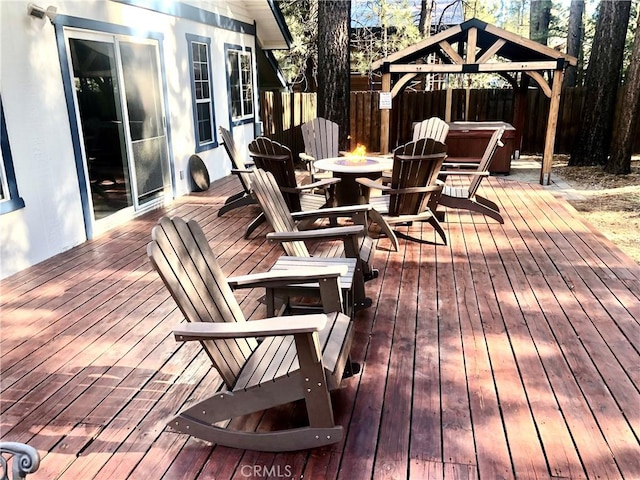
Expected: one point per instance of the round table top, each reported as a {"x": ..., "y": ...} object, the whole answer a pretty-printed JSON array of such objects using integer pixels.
[{"x": 348, "y": 165}]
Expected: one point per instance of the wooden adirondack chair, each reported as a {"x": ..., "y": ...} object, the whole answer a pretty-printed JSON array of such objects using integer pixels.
[
  {"x": 433, "y": 127},
  {"x": 299, "y": 357},
  {"x": 277, "y": 159},
  {"x": 320, "y": 141},
  {"x": 413, "y": 182},
  {"x": 242, "y": 169},
  {"x": 357, "y": 244},
  {"x": 239, "y": 169},
  {"x": 468, "y": 198}
]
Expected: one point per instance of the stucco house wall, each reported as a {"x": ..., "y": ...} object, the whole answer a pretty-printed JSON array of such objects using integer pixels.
[{"x": 48, "y": 211}]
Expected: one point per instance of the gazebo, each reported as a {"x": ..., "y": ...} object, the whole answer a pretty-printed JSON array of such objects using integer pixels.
[{"x": 479, "y": 47}]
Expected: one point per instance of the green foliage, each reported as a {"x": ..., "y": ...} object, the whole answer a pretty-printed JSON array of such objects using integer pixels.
[
  {"x": 299, "y": 63},
  {"x": 380, "y": 28}
]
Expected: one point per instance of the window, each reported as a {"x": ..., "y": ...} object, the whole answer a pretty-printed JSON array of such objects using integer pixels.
[
  {"x": 9, "y": 198},
  {"x": 204, "y": 122},
  {"x": 240, "y": 84}
]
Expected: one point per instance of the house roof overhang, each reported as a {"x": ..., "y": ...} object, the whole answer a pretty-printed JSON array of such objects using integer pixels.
[
  {"x": 271, "y": 27},
  {"x": 270, "y": 77}
]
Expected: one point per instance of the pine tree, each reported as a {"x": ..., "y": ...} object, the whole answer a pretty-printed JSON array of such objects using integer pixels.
[
  {"x": 603, "y": 78},
  {"x": 334, "y": 19},
  {"x": 627, "y": 123}
]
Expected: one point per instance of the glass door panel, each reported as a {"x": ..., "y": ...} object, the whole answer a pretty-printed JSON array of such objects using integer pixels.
[
  {"x": 96, "y": 88},
  {"x": 146, "y": 120}
]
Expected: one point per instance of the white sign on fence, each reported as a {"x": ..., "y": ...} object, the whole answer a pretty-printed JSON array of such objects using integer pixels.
[{"x": 385, "y": 101}]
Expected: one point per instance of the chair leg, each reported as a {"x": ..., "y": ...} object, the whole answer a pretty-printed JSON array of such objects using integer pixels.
[
  {"x": 487, "y": 203},
  {"x": 472, "y": 205},
  {"x": 198, "y": 420},
  {"x": 254, "y": 224},
  {"x": 433, "y": 221},
  {"x": 237, "y": 203},
  {"x": 483, "y": 209},
  {"x": 235, "y": 197},
  {"x": 375, "y": 217}
]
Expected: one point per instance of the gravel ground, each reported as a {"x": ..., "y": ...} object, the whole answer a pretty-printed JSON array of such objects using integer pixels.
[{"x": 609, "y": 202}]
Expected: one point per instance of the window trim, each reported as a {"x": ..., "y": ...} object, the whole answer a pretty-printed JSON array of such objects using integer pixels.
[
  {"x": 200, "y": 147},
  {"x": 13, "y": 200},
  {"x": 250, "y": 118}
]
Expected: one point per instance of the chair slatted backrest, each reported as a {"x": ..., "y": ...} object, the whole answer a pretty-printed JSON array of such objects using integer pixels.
[
  {"x": 433, "y": 127},
  {"x": 181, "y": 255},
  {"x": 415, "y": 165},
  {"x": 238, "y": 160},
  {"x": 320, "y": 138},
  {"x": 277, "y": 159},
  {"x": 489, "y": 152},
  {"x": 270, "y": 198}
]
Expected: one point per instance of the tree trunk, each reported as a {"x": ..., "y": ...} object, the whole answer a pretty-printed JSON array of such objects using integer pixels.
[
  {"x": 334, "y": 19},
  {"x": 603, "y": 78},
  {"x": 575, "y": 34},
  {"x": 629, "y": 119},
  {"x": 539, "y": 18},
  {"x": 424, "y": 25}
]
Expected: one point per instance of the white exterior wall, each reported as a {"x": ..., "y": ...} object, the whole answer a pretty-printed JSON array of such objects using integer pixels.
[{"x": 38, "y": 127}]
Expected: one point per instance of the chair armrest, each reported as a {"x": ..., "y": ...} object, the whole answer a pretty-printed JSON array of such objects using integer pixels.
[
  {"x": 239, "y": 170},
  {"x": 268, "y": 156},
  {"x": 463, "y": 173},
  {"x": 267, "y": 327},
  {"x": 286, "y": 277},
  {"x": 367, "y": 182},
  {"x": 430, "y": 188},
  {"x": 332, "y": 232},
  {"x": 307, "y": 158},
  {"x": 345, "y": 211},
  {"x": 461, "y": 165},
  {"x": 320, "y": 183}
]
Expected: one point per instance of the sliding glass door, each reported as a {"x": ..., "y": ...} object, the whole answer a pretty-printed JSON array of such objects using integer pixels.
[{"x": 122, "y": 123}]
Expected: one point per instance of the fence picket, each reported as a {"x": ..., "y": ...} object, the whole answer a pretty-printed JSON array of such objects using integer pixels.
[{"x": 283, "y": 113}]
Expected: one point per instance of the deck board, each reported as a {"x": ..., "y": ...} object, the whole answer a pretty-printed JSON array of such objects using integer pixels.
[{"x": 511, "y": 352}]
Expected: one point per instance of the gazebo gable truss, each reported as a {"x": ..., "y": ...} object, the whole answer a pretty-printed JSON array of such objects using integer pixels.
[{"x": 475, "y": 46}]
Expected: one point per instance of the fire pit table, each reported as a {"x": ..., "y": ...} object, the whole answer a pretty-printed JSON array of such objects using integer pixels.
[{"x": 347, "y": 169}]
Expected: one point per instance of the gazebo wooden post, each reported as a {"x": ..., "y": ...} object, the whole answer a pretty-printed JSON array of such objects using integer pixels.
[
  {"x": 552, "y": 123},
  {"x": 521, "y": 92},
  {"x": 385, "y": 116}
]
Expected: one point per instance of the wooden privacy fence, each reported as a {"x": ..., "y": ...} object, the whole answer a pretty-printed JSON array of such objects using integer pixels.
[{"x": 283, "y": 113}]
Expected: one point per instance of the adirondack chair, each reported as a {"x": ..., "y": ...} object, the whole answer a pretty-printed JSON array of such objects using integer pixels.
[
  {"x": 320, "y": 141},
  {"x": 239, "y": 169},
  {"x": 433, "y": 127},
  {"x": 357, "y": 244},
  {"x": 22, "y": 458},
  {"x": 413, "y": 182},
  {"x": 467, "y": 198},
  {"x": 299, "y": 357},
  {"x": 277, "y": 159}
]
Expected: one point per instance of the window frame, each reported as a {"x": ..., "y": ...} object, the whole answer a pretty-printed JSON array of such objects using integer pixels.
[
  {"x": 13, "y": 201},
  {"x": 213, "y": 143},
  {"x": 246, "y": 52}
]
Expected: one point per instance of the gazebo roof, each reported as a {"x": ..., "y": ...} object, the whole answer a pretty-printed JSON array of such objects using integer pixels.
[{"x": 482, "y": 47}]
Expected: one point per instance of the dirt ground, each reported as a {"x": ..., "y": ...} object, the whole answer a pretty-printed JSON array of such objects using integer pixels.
[{"x": 612, "y": 202}]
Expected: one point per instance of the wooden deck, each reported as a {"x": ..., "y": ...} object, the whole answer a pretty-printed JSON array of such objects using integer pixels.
[{"x": 511, "y": 352}]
